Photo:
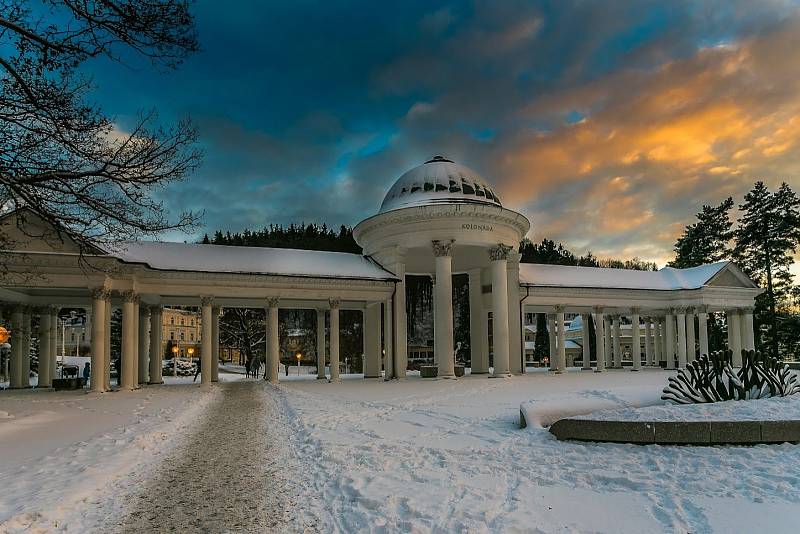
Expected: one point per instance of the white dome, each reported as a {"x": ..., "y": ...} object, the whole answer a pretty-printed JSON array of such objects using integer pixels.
[{"x": 438, "y": 181}]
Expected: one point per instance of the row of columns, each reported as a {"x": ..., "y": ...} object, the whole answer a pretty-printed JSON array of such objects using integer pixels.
[
  {"x": 21, "y": 332},
  {"x": 671, "y": 337}
]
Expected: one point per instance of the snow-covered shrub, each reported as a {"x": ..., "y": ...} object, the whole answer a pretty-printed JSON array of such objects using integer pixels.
[{"x": 713, "y": 379}]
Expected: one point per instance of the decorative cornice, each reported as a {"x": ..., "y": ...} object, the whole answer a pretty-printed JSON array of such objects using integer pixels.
[
  {"x": 499, "y": 252},
  {"x": 442, "y": 248}
]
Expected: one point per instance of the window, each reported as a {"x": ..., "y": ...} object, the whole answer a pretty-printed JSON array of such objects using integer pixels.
[
  {"x": 191, "y": 336},
  {"x": 172, "y": 336},
  {"x": 182, "y": 336},
  {"x": 172, "y": 320},
  {"x": 181, "y": 321}
]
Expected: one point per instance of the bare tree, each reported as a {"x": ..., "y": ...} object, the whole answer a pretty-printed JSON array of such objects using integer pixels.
[
  {"x": 60, "y": 156},
  {"x": 245, "y": 329}
]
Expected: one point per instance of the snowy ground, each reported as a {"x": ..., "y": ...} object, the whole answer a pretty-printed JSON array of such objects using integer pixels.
[
  {"x": 69, "y": 458},
  {"x": 373, "y": 456},
  {"x": 447, "y": 456}
]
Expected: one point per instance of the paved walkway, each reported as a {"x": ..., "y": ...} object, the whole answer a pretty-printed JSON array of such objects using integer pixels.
[{"x": 227, "y": 479}]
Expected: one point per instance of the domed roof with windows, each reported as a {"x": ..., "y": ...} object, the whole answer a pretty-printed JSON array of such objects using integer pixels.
[{"x": 439, "y": 181}]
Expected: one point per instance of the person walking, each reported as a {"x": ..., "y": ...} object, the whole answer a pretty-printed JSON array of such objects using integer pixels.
[
  {"x": 199, "y": 369},
  {"x": 87, "y": 372}
]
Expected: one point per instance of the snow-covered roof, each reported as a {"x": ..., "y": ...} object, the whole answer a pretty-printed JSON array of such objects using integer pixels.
[
  {"x": 249, "y": 260},
  {"x": 438, "y": 181},
  {"x": 668, "y": 278}
]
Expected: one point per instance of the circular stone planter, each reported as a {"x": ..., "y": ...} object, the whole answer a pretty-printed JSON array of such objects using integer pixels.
[
  {"x": 428, "y": 371},
  {"x": 459, "y": 370}
]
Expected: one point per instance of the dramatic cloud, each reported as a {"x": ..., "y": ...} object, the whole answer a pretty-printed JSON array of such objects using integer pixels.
[{"x": 608, "y": 123}]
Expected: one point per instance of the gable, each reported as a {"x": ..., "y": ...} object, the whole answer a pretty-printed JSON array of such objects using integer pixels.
[
  {"x": 24, "y": 231},
  {"x": 730, "y": 276}
]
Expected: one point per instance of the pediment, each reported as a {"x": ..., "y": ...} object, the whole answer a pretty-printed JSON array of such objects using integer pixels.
[
  {"x": 730, "y": 276},
  {"x": 24, "y": 231}
]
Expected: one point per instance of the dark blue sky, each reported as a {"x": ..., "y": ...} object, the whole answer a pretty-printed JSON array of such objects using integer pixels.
[{"x": 309, "y": 111}]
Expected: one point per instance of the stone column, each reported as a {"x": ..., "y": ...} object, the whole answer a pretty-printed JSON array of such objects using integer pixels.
[
  {"x": 599, "y": 338},
  {"x": 669, "y": 335},
  {"x": 321, "y": 344},
  {"x": 551, "y": 338},
  {"x": 206, "y": 339},
  {"x": 156, "y": 354},
  {"x": 735, "y": 336},
  {"x": 616, "y": 337},
  {"x": 648, "y": 341},
  {"x": 53, "y": 341},
  {"x": 609, "y": 347},
  {"x": 25, "y": 374},
  {"x": 443, "y": 309},
  {"x": 636, "y": 340},
  {"x": 98, "y": 382},
  {"x": 484, "y": 342},
  {"x": 129, "y": 356},
  {"x": 515, "y": 335},
  {"x": 215, "y": 311},
  {"x": 388, "y": 340},
  {"x": 400, "y": 325},
  {"x": 691, "y": 346},
  {"x": 658, "y": 340},
  {"x": 561, "y": 365},
  {"x": 746, "y": 324},
  {"x": 273, "y": 342},
  {"x": 144, "y": 344},
  {"x": 334, "y": 337},
  {"x": 372, "y": 340},
  {"x": 498, "y": 256},
  {"x": 587, "y": 353},
  {"x": 475, "y": 328},
  {"x": 702, "y": 327},
  {"x": 45, "y": 349},
  {"x": 107, "y": 343},
  {"x": 681, "y": 320},
  {"x": 16, "y": 348}
]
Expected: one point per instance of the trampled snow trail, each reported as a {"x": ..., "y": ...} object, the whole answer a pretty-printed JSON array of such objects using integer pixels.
[{"x": 228, "y": 478}]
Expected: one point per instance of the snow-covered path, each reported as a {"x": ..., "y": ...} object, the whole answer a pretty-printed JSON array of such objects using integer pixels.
[
  {"x": 447, "y": 456},
  {"x": 230, "y": 476}
]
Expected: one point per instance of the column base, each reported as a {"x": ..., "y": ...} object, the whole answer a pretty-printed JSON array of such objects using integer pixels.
[{"x": 155, "y": 383}]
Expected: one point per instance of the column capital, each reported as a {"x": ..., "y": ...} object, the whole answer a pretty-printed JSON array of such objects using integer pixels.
[
  {"x": 680, "y": 310},
  {"x": 690, "y": 309},
  {"x": 442, "y": 248},
  {"x": 597, "y": 309},
  {"x": 669, "y": 311},
  {"x": 156, "y": 308},
  {"x": 701, "y": 309},
  {"x": 130, "y": 296},
  {"x": 272, "y": 302},
  {"x": 636, "y": 310},
  {"x": 499, "y": 252},
  {"x": 100, "y": 293},
  {"x": 334, "y": 303},
  {"x": 560, "y": 308}
]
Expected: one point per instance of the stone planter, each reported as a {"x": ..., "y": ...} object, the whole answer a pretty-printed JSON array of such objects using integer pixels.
[
  {"x": 429, "y": 371},
  {"x": 68, "y": 383},
  {"x": 459, "y": 370}
]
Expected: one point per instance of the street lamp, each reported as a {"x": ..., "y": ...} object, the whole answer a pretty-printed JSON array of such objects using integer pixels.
[
  {"x": 298, "y": 356},
  {"x": 190, "y": 351},
  {"x": 175, "y": 350}
]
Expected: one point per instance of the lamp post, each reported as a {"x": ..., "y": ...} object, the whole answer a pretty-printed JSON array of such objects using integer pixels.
[
  {"x": 175, "y": 350},
  {"x": 4, "y": 351},
  {"x": 298, "y": 356},
  {"x": 190, "y": 352}
]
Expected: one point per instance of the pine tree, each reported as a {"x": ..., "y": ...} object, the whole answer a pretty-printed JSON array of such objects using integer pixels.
[
  {"x": 705, "y": 241},
  {"x": 767, "y": 237}
]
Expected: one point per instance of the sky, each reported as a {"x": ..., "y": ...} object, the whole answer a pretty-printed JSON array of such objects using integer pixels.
[{"x": 608, "y": 124}]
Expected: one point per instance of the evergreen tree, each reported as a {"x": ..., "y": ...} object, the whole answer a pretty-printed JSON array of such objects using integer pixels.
[
  {"x": 767, "y": 237},
  {"x": 707, "y": 240},
  {"x": 541, "y": 347}
]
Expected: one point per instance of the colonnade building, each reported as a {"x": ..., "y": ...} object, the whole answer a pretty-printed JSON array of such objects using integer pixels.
[{"x": 438, "y": 219}]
